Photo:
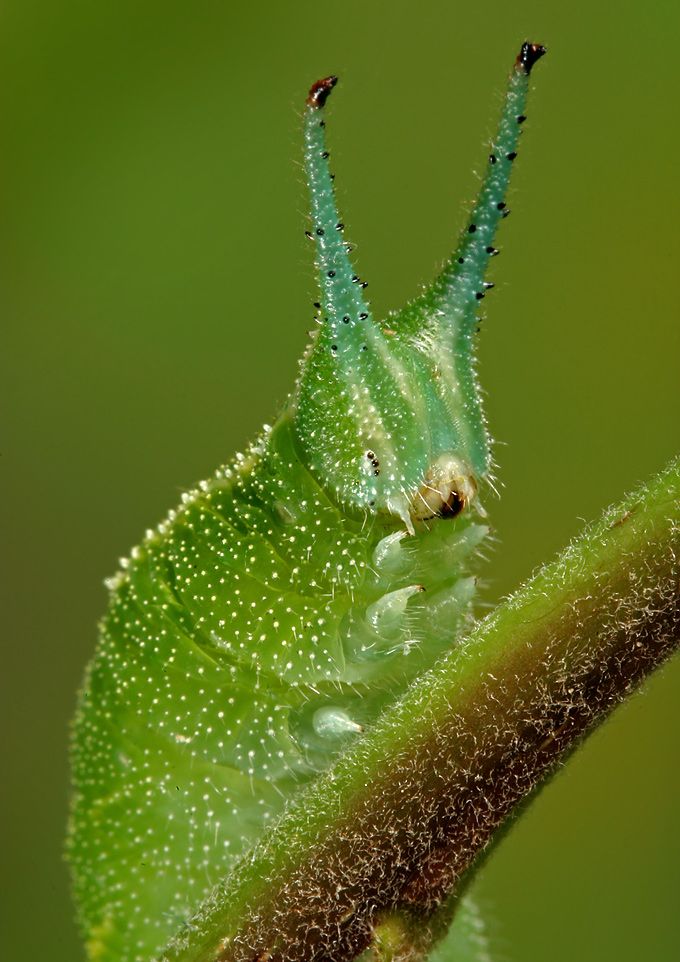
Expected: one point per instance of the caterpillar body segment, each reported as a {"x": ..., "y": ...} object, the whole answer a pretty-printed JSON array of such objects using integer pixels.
[
  {"x": 240, "y": 650},
  {"x": 291, "y": 597}
]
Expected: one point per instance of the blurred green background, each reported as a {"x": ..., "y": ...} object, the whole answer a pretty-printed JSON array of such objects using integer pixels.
[{"x": 158, "y": 287}]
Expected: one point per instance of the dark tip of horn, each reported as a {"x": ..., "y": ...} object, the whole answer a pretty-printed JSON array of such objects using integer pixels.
[
  {"x": 319, "y": 92},
  {"x": 528, "y": 55}
]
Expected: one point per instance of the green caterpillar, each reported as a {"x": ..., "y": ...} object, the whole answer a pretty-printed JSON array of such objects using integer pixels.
[{"x": 289, "y": 598}]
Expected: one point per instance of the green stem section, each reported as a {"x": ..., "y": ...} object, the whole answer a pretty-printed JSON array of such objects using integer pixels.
[{"x": 390, "y": 831}]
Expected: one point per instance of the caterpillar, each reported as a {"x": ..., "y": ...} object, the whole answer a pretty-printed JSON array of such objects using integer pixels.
[{"x": 289, "y": 598}]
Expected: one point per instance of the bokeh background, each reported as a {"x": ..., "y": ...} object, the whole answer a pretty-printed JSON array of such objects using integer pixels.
[{"x": 157, "y": 291}]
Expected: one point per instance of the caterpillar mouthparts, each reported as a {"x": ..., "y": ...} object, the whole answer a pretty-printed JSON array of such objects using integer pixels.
[
  {"x": 447, "y": 489},
  {"x": 297, "y": 592}
]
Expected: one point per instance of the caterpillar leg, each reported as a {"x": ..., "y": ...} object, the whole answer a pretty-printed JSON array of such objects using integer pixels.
[{"x": 467, "y": 939}]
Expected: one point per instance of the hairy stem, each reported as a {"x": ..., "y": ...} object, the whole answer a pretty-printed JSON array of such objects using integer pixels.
[{"x": 395, "y": 826}]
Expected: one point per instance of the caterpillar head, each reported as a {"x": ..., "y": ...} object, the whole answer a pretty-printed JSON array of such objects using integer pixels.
[{"x": 388, "y": 414}]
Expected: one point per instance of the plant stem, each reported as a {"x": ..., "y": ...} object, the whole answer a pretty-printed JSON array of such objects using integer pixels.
[{"x": 392, "y": 829}]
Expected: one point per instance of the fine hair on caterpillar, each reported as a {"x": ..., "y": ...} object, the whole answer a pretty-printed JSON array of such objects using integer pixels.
[{"x": 269, "y": 619}]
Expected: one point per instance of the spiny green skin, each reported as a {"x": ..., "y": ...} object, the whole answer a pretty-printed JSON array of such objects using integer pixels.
[
  {"x": 230, "y": 629},
  {"x": 289, "y": 598}
]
